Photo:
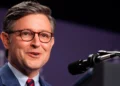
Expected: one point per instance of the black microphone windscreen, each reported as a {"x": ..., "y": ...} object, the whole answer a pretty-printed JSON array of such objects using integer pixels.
[{"x": 76, "y": 67}]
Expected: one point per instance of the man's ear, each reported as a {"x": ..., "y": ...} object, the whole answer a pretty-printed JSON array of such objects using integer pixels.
[
  {"x": 5, "y": 39},
  {"x": 52, "y": 41}
]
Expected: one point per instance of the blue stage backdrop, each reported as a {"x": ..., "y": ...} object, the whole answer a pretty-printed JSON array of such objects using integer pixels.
[{"x": 72, "y": 42}]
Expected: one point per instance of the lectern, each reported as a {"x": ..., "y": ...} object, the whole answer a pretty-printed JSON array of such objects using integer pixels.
[{"x": 103, "y": 74}]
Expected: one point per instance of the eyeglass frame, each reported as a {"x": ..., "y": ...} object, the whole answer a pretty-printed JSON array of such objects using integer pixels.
[{"x": 20, "y": 31}]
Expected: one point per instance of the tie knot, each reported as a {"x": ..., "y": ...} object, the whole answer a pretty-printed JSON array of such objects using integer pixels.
[{"x": 30, "y": 82}]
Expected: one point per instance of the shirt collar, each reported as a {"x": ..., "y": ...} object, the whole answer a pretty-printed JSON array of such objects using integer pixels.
[{"x": 21, "y": 77}]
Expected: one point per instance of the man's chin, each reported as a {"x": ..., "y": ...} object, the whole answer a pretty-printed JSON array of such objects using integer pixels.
[{"x": 34, "y": 67}]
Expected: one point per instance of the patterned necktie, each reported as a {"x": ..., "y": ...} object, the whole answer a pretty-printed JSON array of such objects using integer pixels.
[{"x": 30, "y": 82}]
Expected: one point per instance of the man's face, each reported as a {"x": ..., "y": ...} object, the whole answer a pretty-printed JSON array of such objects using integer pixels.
[{"x": 33, "y": 54}]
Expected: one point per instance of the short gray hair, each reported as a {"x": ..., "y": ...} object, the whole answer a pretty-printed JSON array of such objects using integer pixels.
[{"x": 25, "y": 8}]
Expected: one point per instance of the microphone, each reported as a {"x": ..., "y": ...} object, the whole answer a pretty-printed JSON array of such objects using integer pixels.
[{"x": 81, "y": 66}]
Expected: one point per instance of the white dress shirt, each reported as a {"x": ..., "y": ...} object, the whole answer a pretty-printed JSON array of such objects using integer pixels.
[{"x": 23, "y": 78}]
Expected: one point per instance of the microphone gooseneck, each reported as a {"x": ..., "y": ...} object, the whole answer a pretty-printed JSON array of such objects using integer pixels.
[{"x": 82, "y": 66}]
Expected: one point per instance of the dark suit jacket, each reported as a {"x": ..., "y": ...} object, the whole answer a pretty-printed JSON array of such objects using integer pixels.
[{"x": 7, "y": 78}]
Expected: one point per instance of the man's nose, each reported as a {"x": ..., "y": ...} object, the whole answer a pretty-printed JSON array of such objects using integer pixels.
[{"x": 36, "y": 41}]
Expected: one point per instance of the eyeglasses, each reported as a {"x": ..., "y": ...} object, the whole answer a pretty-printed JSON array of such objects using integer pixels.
[{"x": 28, "y": 35}]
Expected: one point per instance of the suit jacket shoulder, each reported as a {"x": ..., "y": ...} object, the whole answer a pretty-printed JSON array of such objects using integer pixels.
[{"x": 7, "y": 78}]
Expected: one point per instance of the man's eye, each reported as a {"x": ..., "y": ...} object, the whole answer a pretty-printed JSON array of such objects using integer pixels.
[
  {"x": 26, "y": 33},
  {"x": 45, "y": 35}
]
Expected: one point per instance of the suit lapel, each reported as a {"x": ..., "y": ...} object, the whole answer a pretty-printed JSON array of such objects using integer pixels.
[
  {"x": 43, "y": 83},
  {"x": 7, "y": 77}
]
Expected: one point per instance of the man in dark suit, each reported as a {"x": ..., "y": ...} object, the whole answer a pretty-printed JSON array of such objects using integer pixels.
[{"x": 27, "y": 35}]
